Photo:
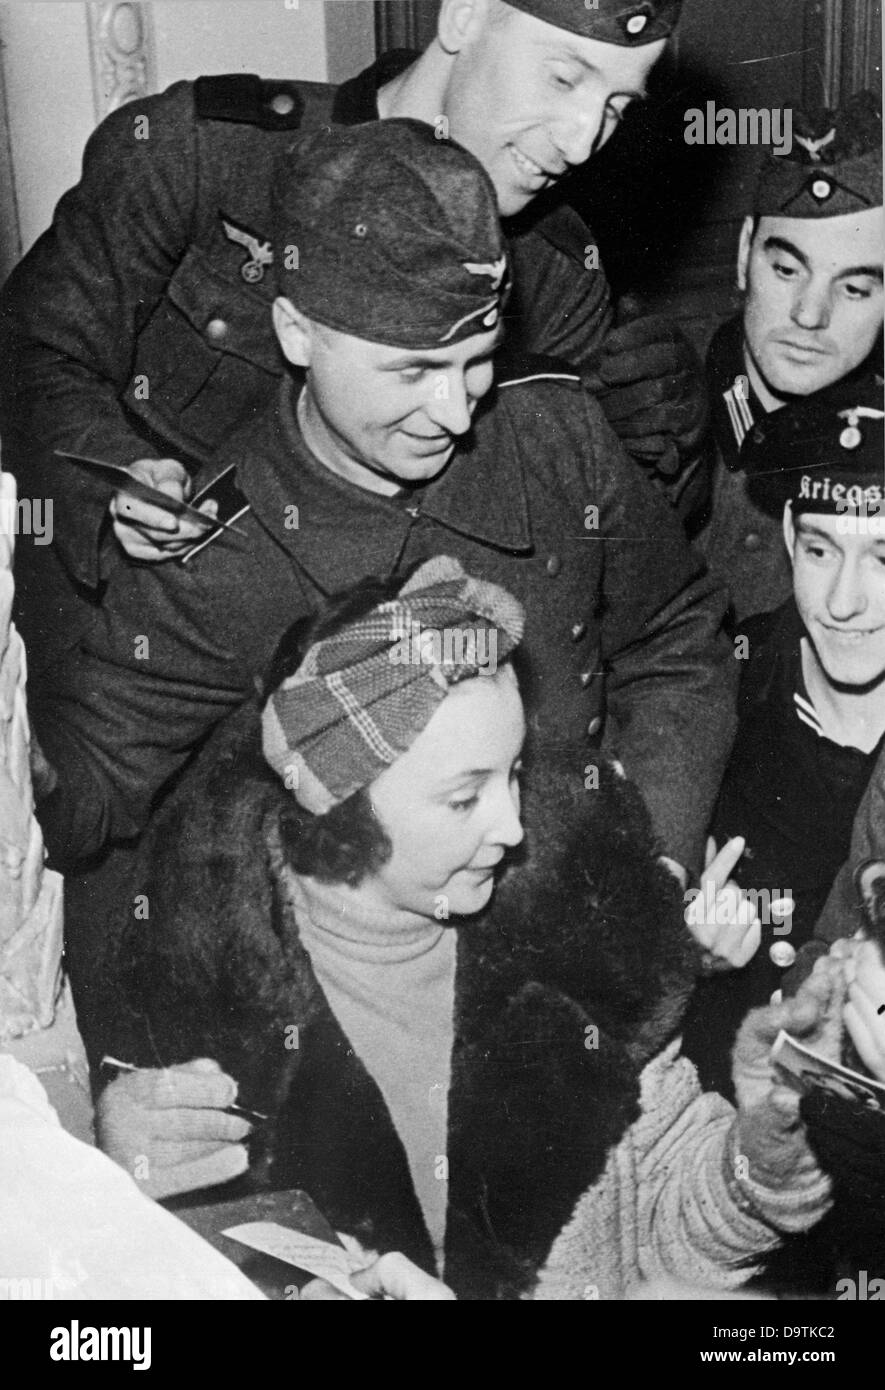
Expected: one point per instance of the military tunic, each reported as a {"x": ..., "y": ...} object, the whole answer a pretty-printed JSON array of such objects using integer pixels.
[
  {"x": 622, "y": 622},
  {"x": 744, "y": 545},
  {"x": 139, "y": 325}
]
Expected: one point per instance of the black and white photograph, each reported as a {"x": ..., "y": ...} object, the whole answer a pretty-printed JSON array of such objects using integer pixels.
[{"x": 442, "y": 666}]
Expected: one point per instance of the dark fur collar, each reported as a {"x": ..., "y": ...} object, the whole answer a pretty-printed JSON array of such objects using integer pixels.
[{"x": 572, "y": 979}]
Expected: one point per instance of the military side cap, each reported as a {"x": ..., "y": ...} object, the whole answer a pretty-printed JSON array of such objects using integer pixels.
[
  {"x": 834, "y": 166},
  {"x": 823, "y": 454},
  {"x": 389, "y": 234},
  {"x": 607, "y": 21}
]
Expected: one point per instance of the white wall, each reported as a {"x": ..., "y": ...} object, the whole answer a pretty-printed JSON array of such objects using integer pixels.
[
  {"x": 48, "y": 75},
  {"x": 49, "y": 101},
  {"x": 264, "y": 36}
]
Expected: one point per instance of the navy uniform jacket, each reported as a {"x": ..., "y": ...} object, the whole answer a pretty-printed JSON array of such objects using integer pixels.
[
  {"x": 622, "y": 623},
  {"x": 793, "y": 794},
  {"x": 744, "y": 546}
]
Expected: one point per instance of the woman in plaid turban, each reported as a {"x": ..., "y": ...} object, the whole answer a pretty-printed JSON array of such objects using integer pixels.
[{"x": 484, "y": 1078}]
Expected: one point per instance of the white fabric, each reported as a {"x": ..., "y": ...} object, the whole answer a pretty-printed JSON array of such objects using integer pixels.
[{"x": 73, "y": 1225}]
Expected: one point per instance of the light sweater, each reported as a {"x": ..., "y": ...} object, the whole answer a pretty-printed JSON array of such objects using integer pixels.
[
  {"x": 669, "y": 1205},
  {"x": 389, "y": 978}
]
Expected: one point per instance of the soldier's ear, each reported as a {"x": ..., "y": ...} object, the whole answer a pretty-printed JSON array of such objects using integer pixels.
[
  {"x": 460, "y": 21},
  {"x": 744, "y": 244},
  {"x": 789, "y": 530},
  {"x": 293, "y": 330}
]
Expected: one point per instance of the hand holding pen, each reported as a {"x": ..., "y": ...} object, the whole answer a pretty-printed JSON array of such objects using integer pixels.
[{"x": 174, "y": 1129}]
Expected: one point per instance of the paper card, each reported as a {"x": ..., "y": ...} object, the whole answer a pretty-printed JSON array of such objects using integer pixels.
[
  {"x": 317, "y": 1257},
  {"x": 810, "y": 1069}
]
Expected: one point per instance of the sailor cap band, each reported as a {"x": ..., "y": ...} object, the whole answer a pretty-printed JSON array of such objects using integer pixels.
[{"x": 825, "y": 454}]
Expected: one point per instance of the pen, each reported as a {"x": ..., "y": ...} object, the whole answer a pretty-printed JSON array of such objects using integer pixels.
[{"x": 254, "y": 1115}]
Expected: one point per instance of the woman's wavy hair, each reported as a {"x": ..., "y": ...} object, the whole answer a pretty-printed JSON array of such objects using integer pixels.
[{"x": 349, "y": 841}]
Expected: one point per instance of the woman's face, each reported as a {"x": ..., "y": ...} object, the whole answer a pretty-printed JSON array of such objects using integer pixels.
[{"x": 450, "y": 805}]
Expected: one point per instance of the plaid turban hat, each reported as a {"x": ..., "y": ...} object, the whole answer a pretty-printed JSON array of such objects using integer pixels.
[
  {"x": 361, "y": 697},
  {"x": 607, "y": 21}
]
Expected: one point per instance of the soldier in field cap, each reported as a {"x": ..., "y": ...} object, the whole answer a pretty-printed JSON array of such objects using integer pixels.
[
  {"x": 137, "y": 328},
  {"x": 810, "y": 266},
  {"x": 390, "y": 441}
]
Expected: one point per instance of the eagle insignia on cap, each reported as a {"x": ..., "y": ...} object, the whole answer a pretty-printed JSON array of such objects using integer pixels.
[
  {"x": 495, "y": 270},
  {"x": 260, "y": 252},
  {"x": 851, "y": 437},
  {"x": 814, "y": 147}
]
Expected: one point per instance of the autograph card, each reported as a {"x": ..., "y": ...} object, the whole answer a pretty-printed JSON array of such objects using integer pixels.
[
  {"x": 808, "y": 1068},
  {"x": 317, "y": 1257}
]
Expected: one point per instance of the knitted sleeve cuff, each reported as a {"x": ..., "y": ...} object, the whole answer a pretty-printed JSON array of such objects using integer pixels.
[{"x": 797, "y": 1206}]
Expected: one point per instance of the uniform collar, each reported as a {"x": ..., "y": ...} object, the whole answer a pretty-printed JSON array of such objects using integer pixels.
[
  {"x": 735, "y": 408},
  {"x": 344, "y": 532}
]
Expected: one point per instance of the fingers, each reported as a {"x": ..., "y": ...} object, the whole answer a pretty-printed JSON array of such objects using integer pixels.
[
  {"x": 149, "y": 532},
  {"x": 721, "y": 917},
  {"x": 741, "y": 950},
  {"x": 166, "y": 474},
  {"x": 207, "y": 1126},
  {"x": 720, "y": 868},
  {"x": 210, "y": 1171},
  {"x": 865, "y": 1034},
  {"x": 396, "y": 1277},
  {"x": 318, "y": 1291},
  {"x": 182, "y": 1087}
]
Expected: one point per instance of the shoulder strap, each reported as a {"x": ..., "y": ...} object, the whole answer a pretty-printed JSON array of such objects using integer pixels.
[{"x": 247, "y": 99}]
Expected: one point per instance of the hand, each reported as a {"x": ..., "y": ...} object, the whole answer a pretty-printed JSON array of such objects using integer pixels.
[
  {"x": 864, "y": 1012},
  {"x": 650, "y": 384},
  {"x": 769, "y": 1130},
  {"x": 679, "y": 872},
  {"x": 150, "y": 533},
  {"x": 720, "y": 916},
  {"x": 169, "y": 1130},
  {"x": 44, "y": 777},
  {"x": 391, "y": 1277}
]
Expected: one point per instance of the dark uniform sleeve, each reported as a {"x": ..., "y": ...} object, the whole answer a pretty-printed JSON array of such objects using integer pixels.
[
  {"x": 171, "y": 652},
  {"x": 671, "y": 674},
  {"x": 639, "y": 367},
  {"x": 71, "y": 311}
]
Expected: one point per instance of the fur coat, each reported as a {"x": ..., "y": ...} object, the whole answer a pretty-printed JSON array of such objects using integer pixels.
[{"x": 573, "y": 978}]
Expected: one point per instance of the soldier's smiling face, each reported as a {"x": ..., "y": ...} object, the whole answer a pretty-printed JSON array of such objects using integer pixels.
[
  {"x": 532, "y": 101},
  {"x": 383, "y": 416},
  {"x": 814, "y": 300}
]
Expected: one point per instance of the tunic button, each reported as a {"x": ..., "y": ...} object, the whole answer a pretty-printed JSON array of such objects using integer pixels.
[
  {"x": 282, "y": 104},
  {"x": 216, "y": 329},
  {"x": 586, "y": 678},
  {"x": 578, "y": 631},
  {"x": 594, "y": 726},
  {"x": 554, "y": 565},
  {"x": 753, "y": 541},
  {"x": 781, "y": 953}
]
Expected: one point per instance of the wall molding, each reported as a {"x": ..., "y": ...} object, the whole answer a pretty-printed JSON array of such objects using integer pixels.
[{"x": 121, "y": 44}]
